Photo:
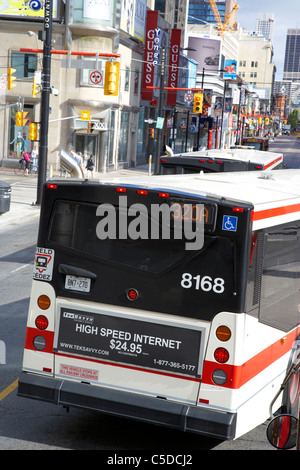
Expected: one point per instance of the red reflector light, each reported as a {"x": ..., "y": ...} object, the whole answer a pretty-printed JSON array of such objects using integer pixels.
[
  {"x": 41, "y": 322},
  {"x": 219, "y": 161},
  {"x": 258, "y": 167},
  {"x": 121, "y": 190},
  {"x": 163, "y": 195},
  {"x": 142, "y": 192},
  {"x": 51, "y": 186},
  {"x": 221, "y": 355},
  {"x": 238, "y": 209},
  {"x": 202, "y": 161},
  {"x": 163, "y": 159},
  {"x": 132, "y": 294}
]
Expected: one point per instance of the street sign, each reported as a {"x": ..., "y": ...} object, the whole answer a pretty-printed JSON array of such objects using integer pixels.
[
  {"x": 85, "y": 115},
  {"x": 95, "y": 77},
  {"x": 2, "y": 82},
  {"x": 160, "y": 123},
  {"x": 188, "y": 97}
]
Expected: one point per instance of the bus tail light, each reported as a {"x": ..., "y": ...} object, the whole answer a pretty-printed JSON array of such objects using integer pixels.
[
  {"x": 43, "y": 302},
  {"x": 221, "y": 355},
  {"x": 41, "y": 322},
  {"x": 223, "y": 333}
]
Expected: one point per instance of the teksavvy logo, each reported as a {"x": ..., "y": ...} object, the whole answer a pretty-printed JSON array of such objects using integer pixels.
[{"x": 43, "y": 264}]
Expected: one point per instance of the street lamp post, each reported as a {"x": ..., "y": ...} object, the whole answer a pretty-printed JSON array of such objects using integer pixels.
[{"x": 46, "y": 36}]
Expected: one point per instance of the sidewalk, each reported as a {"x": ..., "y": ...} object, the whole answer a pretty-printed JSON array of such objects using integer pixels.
[{"x": 24, "y": 192}]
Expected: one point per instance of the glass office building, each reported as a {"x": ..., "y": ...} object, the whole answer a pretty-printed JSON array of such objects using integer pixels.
[
  {"x": 291, "y": 69},
  {"x": 200, "y": 11}
]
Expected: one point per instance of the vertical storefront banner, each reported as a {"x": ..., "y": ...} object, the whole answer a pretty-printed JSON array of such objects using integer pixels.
[
  {"x": 151, "y": 53},
  {"x": 173, "y": 66}
]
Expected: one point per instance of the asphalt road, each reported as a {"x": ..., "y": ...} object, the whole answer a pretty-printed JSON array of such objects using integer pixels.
[{"x": 32, "y": 425}]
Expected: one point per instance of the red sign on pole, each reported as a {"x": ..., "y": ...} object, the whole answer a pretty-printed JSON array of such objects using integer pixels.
[
  {"x": 173, "y": 66},
  {"x": 150, "y": 54}
]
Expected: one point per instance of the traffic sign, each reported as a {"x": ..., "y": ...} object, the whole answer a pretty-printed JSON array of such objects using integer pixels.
[
  {"x": 188, "y": 97},
  {"x": 2, "y": 82},
  {"x": 85, "y": 115},
  {"x": 95, "y": 77}
]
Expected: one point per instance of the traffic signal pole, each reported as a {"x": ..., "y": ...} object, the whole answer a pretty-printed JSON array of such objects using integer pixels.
[{"x": 45, "y": 98}]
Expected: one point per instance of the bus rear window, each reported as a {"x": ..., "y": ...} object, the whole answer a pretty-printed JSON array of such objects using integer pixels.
[{"x": 74, "y": 226}]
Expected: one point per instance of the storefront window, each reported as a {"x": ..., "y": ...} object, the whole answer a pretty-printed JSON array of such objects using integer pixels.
[
  {"x": 141, "y": 129},
  {"x": 123, "y": 137},
  {"x": 18, "y": 140},
  {"x": 110, "y": 144}
]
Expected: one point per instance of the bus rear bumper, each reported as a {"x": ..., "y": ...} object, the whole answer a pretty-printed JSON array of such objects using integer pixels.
[{"x": 128, "y": 405}]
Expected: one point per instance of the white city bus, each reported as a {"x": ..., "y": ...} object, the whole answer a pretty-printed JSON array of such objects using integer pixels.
[
  {"x": 144, "y": 328},
  {"x": 219, "y": 160}
]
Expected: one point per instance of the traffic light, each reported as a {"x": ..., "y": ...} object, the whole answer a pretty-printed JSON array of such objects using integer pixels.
[
  {"x": 111, "y": 82},
  {"x": 151, "y": 133},
  {"x": 91, "y": 126},
  {"x": 19, "y": 119},
  {"x": 33, "y": 134},
  {"x": 198, "y": 101},
  {"x": 35, "y": 87},
  {"x": 10, "y": 78}
]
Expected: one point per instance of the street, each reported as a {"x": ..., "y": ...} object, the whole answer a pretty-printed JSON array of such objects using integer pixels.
[{"x": 33, "y": 425}]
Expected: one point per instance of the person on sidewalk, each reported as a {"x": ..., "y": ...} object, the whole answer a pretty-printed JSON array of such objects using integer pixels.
[
  {"x": 26, "y": 158},
  {"x": 34, "y": 156},
  {"x": 90, "y": 166}
]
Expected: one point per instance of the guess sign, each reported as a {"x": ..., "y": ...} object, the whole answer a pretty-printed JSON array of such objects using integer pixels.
[
  {"x": 173, "y": 66},
  {"x": 151, "y": 54}
]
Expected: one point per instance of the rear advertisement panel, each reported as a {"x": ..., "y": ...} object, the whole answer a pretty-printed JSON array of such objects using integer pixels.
[{"x": 128, "y": 341}]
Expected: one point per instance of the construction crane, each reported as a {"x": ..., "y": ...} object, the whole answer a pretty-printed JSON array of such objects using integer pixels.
[{"x": 222, "y": 27}]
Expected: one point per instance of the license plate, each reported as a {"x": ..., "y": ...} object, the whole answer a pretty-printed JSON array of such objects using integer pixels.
[{"x": 81, "y": 284}]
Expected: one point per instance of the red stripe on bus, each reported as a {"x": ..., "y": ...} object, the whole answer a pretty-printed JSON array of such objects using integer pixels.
[
  {"x": 240, "y": 375},
  {"x": 273, "y": 163},
  {"x": 31, "y": 333},
  {"x": 275, "y": 212}
]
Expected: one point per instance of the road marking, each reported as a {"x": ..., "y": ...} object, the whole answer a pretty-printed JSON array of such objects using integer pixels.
[
  {"x": 21, "y": 267},
  {"x": 9, "y": 389}
]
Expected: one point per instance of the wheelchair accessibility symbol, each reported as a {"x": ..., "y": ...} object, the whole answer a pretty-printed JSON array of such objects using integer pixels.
[{"x": 229, "y": 223}]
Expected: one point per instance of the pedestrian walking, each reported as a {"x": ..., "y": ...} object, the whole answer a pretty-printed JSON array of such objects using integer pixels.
[{"x": 90, "y": 166}]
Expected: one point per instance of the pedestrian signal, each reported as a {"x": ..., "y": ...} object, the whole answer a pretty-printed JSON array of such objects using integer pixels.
[
  {"x": 198, "y": 101},
  {"x": 33, "y": 131},
  {"x": 111, "y": 82},
  {"x": 19, "y": 119},
  {"x": 10, "y": 78}
]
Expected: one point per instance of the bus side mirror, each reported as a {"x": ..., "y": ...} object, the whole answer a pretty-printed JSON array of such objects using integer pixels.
[{"x": 282, "y": 431}]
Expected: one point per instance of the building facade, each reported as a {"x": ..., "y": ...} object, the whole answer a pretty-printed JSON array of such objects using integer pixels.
[{"x": 115, "y": 32}]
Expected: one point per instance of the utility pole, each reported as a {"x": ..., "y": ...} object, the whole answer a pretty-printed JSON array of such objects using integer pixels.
[{"x": 46, "y": 36}]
